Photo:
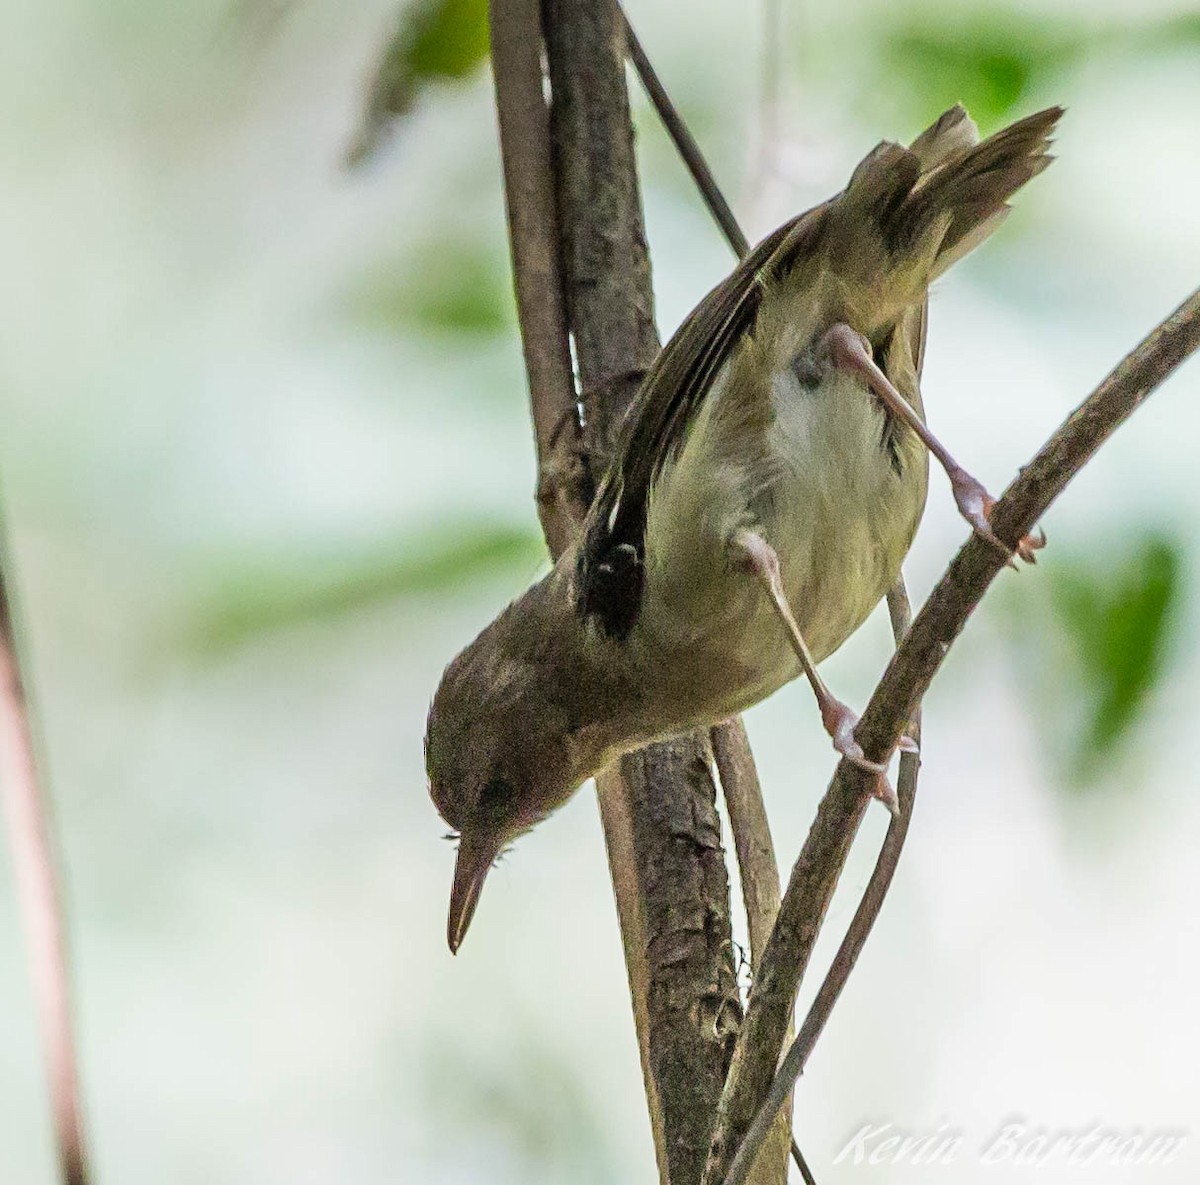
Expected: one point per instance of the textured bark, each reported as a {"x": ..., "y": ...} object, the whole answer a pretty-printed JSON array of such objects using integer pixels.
[
  {"x": 692, "y": 1001},
  {"x": 531, "y": 205},
  {"x": 563, "y": 487},
  {"x": 810, "y": 888}
]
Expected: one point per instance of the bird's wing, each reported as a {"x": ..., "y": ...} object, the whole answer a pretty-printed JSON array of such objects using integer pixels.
[
  {"x": 609, "y": 569},
  {"x": 905, "y": 216}
]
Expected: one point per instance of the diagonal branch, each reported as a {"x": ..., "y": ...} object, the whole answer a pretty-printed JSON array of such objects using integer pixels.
[
  {"x": 685, "y": 144},
  {"x": 40, "y": 900},
  {"x": 894, "y": 701},
  {"x": 751, "y": 832},
  {"x": 856, "y": 935},
  {"x": 760, "y": 896}
]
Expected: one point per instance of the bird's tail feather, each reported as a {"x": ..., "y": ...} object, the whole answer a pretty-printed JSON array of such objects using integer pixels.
[
  {"x": 972, "y": 187},
  {"x": 933, "y": 202}
]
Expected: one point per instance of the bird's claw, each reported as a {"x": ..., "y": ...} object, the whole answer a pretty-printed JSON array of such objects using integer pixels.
[
  {"x": 975, "y": 504},
  {"x": 1029, "y": 545},
  {"x": 840, "y": 722}
]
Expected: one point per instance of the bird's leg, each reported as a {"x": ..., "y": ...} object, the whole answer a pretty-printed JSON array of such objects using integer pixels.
[
  {"x": 839, "y": 720},
  {"x": 847, "y": 349}
]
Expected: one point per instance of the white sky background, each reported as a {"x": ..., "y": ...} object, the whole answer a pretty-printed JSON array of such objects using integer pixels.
[{"x": 256, "y": 883}]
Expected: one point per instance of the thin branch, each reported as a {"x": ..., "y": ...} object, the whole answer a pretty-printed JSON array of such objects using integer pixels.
[
  {"x": 40, "y": 900},
  {"x": 751, "y": 832},
  {"x": 802, "y": 1165},
  {"x": 893, "y": 703},
  {"x": 685, "y": 144},
  {"x": 760, "y": 897},
  {"x": 531, "y": 204},
  {"x": 617, "y": 821},
  {"x": 534, "y": 236},
  {"x": 766, "y": 140},
  {"x": 856, "y": 936}
]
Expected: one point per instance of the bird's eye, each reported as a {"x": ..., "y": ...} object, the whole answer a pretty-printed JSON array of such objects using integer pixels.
[{"x": 496, "y": 799}]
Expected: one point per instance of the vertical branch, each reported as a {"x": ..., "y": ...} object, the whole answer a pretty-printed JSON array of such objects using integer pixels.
[
  {"x": 562, "y": 498},
  {"x": 692, "y": 1001},
  {"x": 751, "y": 832},
  {"x": 37, "y": 892},
  {"x": 531, "y": 206}
]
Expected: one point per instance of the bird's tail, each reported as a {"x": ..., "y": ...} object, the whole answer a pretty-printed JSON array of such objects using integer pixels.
[
  {"x": 931, "y": 203},
  {"x": 969, "y": 189}
]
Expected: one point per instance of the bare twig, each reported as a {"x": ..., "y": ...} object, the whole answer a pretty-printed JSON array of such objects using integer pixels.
[
  {"x": 894, "y": 701},
  {"x": 760, "y": 896},
  {"x": 859, "y": 930},
  {"x": 802, "y": 1165},
  {"x": 751, "y": 832},
  {"x": 881, "y": 877},
  {"x": 685, "y": 144},
  {"x": 766, "y": 141},
  {"x": 529, "y": 191},
  {"x": 40, "y": 903}
]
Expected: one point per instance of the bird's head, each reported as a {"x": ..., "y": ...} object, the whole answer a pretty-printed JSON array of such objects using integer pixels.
[{"x": 502, "y": 750}]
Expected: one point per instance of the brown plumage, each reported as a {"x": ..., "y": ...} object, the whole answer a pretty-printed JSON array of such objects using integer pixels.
[{"x": 769, "y": 480}]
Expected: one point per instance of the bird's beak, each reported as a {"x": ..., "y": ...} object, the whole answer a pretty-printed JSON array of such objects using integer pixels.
[{"x": 476, "y": 854}]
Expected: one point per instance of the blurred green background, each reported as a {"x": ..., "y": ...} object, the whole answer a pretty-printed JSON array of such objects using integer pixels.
[{"x": 266, "y": 465}]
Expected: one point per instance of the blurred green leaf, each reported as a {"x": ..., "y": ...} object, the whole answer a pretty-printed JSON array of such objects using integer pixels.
[
  {"x": 299, "y": 590},
  {"x": 1119, "y": 626},
  {"x": 458, "y": 287},
  {"x": 437, "y": 41},
  {"x": 1098, "y": 649},
  {"x": 989, "y": 61},
  {"x": 994, "y": 60},
  {"x": 1172, "y": 33}
]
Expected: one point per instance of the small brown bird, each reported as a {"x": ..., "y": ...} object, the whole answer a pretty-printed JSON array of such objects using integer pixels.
[{"x": 768, "y": 483}]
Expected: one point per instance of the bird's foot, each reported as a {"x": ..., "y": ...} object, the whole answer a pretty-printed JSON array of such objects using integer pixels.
[
  {"x": 847, "y": 349},
  {"x": 975, "y": 505},
  {"x": 840, "y": 722}
]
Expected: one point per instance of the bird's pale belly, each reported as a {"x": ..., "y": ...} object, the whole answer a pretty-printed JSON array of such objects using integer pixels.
[
  {"x": 746, "y": 654},
  {"x": 840, "y": 516}
]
